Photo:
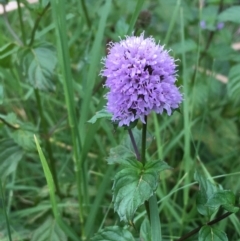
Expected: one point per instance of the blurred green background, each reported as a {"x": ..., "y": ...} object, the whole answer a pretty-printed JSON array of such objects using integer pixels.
[{"x": 50, "y": 59}]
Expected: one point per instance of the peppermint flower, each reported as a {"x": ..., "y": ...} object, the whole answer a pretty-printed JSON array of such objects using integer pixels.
[{"x": 141, "y": 77}]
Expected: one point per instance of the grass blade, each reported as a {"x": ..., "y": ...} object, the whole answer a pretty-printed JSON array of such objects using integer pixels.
[
  {"x": 154, "y": 219},
  {"x": 68, "y": 231},
  {"x": 186, "y": 159},
  {"x": 4, "y": 210},
  {"x": 92, "y": 72},
  {"x": 59, "y": 16},
  {"x": 135, "y": 16}
]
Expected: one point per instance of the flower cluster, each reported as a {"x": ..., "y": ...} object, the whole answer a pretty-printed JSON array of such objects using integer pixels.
[
  {"x": 141, "y": 77},
  {"x": 204, "y": 25}
]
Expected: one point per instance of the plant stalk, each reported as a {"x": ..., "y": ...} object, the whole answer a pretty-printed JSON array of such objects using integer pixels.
[
  {"x": 196, "y": 230},
  {"x": 144, "y": 139},
  {"x": 8, "y": 26},
  {"x": 37, "y": 23},
  {"x": 151, "y": 205},
  {"x": 134, "y": 145},
  {"x": 52, "y": 161},
  {"x": 86, "y": 13},
  {"x": 21, "y": 22}
]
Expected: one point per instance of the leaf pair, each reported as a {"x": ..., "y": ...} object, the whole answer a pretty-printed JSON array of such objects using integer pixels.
[
  {"x": 211, "y": 197},
  {"x": 135, "y": 184},
  {"x": 38, "y": 64}
]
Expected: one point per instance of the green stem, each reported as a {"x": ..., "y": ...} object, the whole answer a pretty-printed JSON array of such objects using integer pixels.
[
  {"x": 11, "y": 31},
  {"x": 187, "y": 162},
  {"x": 135, "y": 16},
  {"x": 151, "y": 205},
  {"x": 37, "y": 23},
  {"x": 21, "y": 22},
  {"x": 4, "y": 210},
  {"x": 86, "y": 13},
  {"x": 143, "y": 158},
  {"x": 52, "y": 161},
  {"x": 172, "y": 22},
  {"x": 134, "y": 145},
  {"x": 196, "y": 230},
  {"x": 144, "y": 139}
]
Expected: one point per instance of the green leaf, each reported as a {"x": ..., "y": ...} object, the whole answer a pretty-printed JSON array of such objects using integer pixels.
[
  {"x": 207, "y": 189},
  {"x": 234, "y": 82},
  {"x": 10, "y": 156},
  {"x": 145, "y": 231},
  {"x": 135, "y": 184},
  {"x": 230, "y": 208},
  {"x": 230, "y": 14},
  {"x": 157, "y": 165},
  {"x": 121, "y": 28},
  {"x": 222, "y": 52},
  {"x": 6, "y": 53},
  {"x": 38, "y": 65},
  {"x": 10, "y": 118},
  {"x": 208, "y": 233},
  {"x": 223, "y": 198},
  {"x": 43, "y": 3},
  {"x": 100, "y": 114},
  {"x": 125, "y": 151},
  {"x": 49, "y": 230},
  {"x": 24, "y": 139},
  {"x": 113, "y": 233}
]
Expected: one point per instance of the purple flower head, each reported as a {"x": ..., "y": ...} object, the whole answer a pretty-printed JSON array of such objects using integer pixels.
[{"x": 140, "y": 77}]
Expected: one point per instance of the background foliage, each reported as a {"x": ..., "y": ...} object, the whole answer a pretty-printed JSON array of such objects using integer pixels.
[{"x": 50, "y": 55}]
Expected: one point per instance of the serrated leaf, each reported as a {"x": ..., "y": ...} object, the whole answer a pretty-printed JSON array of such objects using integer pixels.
[
  {"x": 24, "y": 139},
  {"x": 125, "y": 151},
  {"x": 100, "y": 114},
  {"x": 49, "y": 230},
  {"x": 133, "y": 185},
  {"x": 223, "y": 198},
  {"x": 145, "y": 231},
  {"x": 230, "y": 208},
  {"x": 6, "y": 53},
  {"x": 234, "y": 82},
  {"x": 113, "y": 233},
  {"x": 157, "y": 165},
  {"x": 38, "y": 65},
  {"x": 207, "y": 189},
  {"x": 230, "y": 14},
  {"x": 10, "y": 156},
  {"x": 208, "y": 233}
]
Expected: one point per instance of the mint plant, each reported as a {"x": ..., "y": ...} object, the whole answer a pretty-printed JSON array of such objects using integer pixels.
[{"x": 141, "y": 76}]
